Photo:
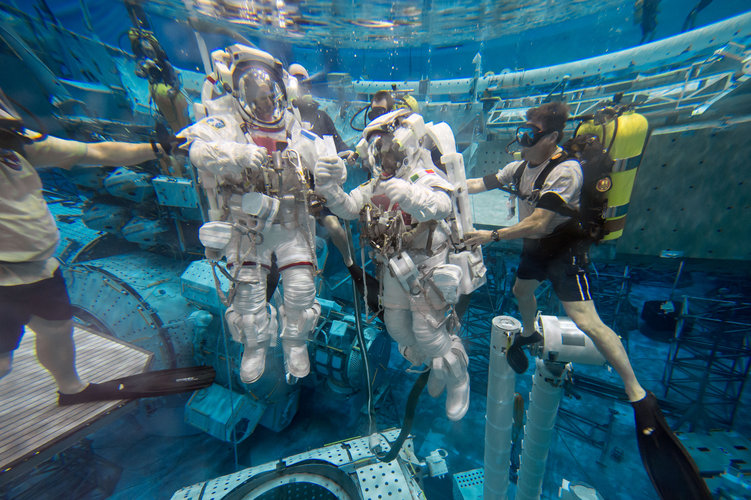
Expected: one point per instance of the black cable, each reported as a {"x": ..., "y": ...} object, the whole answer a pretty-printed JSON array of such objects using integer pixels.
[{"x": 409, "y": 415}]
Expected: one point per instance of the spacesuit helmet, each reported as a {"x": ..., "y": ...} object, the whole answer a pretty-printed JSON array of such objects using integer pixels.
[
  {"x": 257, "y": 81},
  {"x": 385, "y": 156}
]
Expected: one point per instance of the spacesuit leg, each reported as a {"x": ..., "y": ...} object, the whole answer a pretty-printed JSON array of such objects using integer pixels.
[
  {"x": 299, "y": 317},
  {"x": 252, "y": 321},
  {"x": 398, "y": 318},
  {"x": 449, "y": 360}
]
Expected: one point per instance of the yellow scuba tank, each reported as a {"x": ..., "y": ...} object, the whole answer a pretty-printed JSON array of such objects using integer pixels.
[{"x": 623, "y": 135}]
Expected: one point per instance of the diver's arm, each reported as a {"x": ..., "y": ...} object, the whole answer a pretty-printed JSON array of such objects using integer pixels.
[
  {"x": 476, "y": 185},
  {"x": 534, "y": 226},
  {"x": 110, "y": 154},
  {"x": 56, "y": 152}
]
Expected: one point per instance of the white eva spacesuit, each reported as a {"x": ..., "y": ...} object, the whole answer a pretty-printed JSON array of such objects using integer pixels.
[
  {"x": 253, "y": 158},
  {"x": 406, "y": 211}
]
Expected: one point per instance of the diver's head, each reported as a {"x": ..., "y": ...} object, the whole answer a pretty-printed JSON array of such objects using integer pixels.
[
  {"x": 543, "y": 130},
  {"x": 256, "y": 80},
  {"x": 381, "y": 103}
]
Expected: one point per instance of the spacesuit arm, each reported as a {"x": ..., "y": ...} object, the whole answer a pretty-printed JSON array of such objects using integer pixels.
[
  {"x": 226, "y": 159},
  {"x": 346, "y": 206},
  {"x": 217, "y": 146},
  {"x": 330, "y": 173},
  {"x": 421, "y": 201}
]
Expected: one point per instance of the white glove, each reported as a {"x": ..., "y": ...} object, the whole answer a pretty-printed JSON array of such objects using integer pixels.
[
  {"x": 421, "y": 202},
  {"x": 254, "y": 157},
  {"x": 328, "y": 171},
  {"x": 397, "y": 190}
]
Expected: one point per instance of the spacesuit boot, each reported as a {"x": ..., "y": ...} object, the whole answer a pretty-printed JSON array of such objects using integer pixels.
[
  {"x": 245, "y": 329},
  {"x": 450, "y": 372},
  {"x": 295, "y": 341}
]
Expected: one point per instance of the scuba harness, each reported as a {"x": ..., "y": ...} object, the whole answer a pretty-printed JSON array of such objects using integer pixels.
[{"x": 607, "y": 176}]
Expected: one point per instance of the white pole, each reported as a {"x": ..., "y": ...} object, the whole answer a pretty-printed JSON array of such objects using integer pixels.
[
  {"x": 500, "y": 409},
  {"x": 538, "y": 431}
]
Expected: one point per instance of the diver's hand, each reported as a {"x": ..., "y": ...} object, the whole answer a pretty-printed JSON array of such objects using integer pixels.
[
  {"x": 328, "y": 171},
  {"x": 167, "y": 140},
  {"x": 474, "y": 238}
]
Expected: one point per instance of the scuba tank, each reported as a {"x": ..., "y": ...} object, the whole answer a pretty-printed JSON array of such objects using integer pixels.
[{"x": 623, "y": 135}]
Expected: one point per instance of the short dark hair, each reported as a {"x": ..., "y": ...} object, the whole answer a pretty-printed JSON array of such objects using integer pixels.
[
  {"x": 384, "y": 95},
  {"x": 552, "y": 116}
]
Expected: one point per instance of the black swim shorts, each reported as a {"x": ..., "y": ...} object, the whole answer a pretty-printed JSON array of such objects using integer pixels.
[
  {"x": 567, "y": 273},
  {"x": 47, "y": 299}
]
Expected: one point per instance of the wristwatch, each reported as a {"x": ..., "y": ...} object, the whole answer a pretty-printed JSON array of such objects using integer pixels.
[{"x": 496, "y": 235}]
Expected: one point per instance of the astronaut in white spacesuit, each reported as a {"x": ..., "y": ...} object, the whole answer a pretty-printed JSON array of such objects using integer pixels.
[
  {"x": 404, "y": 211},
  {"x": 253, "y": 160}
]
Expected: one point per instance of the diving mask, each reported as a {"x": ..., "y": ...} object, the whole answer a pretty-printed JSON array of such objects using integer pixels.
[{"x": 529, "y": 135}]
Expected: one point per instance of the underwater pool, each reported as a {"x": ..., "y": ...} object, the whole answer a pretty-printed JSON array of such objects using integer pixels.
[{"x": 303, "y": 246}]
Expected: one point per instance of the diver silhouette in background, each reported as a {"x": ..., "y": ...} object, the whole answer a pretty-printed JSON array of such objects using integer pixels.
[
  {"x": 690, "y": 22},
  {"x": 645, "y": 13}
]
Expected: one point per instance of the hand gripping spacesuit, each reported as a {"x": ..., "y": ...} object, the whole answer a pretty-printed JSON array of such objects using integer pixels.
[
  {"x": 404, "y": 211},
  {"x": 253, "y": 158}
]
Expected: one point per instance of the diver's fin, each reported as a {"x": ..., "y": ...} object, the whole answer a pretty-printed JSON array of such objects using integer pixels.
[
  {"x": 144, "y": 385},
  {"x": 669, "y": 466},
  {"x": 515, "y": 355}
]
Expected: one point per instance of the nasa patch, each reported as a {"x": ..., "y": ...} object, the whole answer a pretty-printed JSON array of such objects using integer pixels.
[{"x": 215, "y": 122}]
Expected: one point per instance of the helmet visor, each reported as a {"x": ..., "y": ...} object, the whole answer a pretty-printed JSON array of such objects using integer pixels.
[{"x": 261, "y": 94}]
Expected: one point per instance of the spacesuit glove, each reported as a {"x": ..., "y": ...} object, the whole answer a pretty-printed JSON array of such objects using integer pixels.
[
  {"x": 329, "y": 171},
  {"x": 419, "y": 201},
  {"x": 397, "y": 191},
  {"x": 253, "y": 158}
]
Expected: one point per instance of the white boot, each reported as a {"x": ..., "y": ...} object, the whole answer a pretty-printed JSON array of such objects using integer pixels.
[
  {"x": 256, "y": 340},
  {"x": 457, "y": 381},
  {"x": 295, "y": 340},
  {"x": 450, "y": 372}
]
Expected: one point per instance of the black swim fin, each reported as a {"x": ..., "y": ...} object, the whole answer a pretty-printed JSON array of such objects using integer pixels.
[
  {"x": 144, "y": 385},
  {"x": 515, "y": 355},
  {"x": 670, "y": 468}
]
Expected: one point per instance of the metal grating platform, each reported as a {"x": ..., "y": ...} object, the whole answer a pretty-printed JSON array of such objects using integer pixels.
[
  {"x": 32, "y": 426},
  {"x": 469, "y": 485}
]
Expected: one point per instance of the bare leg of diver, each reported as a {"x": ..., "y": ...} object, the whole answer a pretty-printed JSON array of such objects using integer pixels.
[
  {"x": 524, "y": 291},
  {"x": 607, "y": 341},
  {"x": 57, "y": 353}
]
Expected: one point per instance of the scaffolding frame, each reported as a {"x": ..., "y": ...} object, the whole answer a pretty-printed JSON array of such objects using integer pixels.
[{"x": 709, "y": 361}]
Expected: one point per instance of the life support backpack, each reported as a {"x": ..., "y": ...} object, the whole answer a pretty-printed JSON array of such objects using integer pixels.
[{"x": 607, "y": 176}]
